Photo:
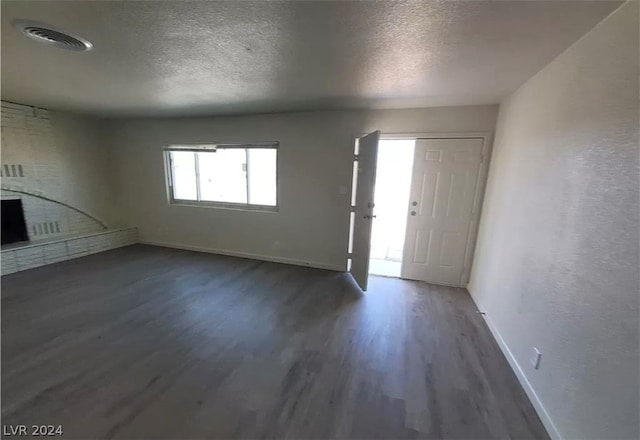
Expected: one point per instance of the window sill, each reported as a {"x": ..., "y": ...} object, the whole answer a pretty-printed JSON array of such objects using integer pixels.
[{"x": 221, "y": 205}]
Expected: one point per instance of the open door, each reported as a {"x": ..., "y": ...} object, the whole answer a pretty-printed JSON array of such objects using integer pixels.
[{"x": 365, "y": 180}]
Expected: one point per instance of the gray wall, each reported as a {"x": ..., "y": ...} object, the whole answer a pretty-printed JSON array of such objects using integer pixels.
[
  {"x": 556, "y": 264},
  {"x": 54, "y": 161},
  {"x": 315, "y": 161}
]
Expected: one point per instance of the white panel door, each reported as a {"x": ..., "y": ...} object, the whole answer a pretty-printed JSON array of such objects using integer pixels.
[
  {"x": 364, "y": 189},
  {"x": 443, "y": 186}
]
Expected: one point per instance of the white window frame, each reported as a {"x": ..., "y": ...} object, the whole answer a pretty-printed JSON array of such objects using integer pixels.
[{"x": 199, "y": 148}]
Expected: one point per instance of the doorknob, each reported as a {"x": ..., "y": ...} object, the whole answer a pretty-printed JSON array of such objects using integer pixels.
[
  {"x": 413, "y": 213},
  {"x": 414, "y": 203}
]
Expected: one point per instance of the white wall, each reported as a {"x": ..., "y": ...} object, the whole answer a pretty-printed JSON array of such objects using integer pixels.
[
  {"x": 63, "y": 161},
  {"x": 315, "y": 160},
  {"x": 87, "y": 164},
  {"x": 556, "y": 264}
]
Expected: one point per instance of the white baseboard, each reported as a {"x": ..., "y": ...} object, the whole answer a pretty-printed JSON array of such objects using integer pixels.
[
  {"x": 552, "y": 430},
  {"x": 259, "y": 257}
]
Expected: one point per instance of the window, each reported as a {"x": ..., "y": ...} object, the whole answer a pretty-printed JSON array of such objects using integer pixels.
[{"x": 229, "y": 175}]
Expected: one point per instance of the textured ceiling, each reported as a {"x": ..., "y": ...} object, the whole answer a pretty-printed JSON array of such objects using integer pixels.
[{"x": 183, "y": 58}]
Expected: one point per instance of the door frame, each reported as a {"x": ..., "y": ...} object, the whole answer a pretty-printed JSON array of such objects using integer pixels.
[{"x": 481, "y": 183}]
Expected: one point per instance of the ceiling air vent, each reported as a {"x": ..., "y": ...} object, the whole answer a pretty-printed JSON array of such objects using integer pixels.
[{"x": 50, "y": 35}]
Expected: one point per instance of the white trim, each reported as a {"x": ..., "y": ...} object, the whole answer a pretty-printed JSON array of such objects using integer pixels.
[
  {"x": 437, "y": 135},
  {"x": 248, "y": 255},
  {"x": 212, "y": 147},
  {"x": 542, "y": 412},
  {"x": 196, "y": 166},
  {"x": 478, "y": 199},
  {"x": 224, "y": 205}
]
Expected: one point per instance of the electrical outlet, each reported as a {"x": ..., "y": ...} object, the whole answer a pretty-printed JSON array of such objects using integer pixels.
[{"x": 536, "y": 357}]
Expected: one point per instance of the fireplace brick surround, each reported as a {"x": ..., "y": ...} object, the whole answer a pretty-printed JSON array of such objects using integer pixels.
[{"x": 15, "y": 259}]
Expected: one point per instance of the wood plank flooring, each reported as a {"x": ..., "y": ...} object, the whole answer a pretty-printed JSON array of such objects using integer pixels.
[{"x": 148, "y": 342}]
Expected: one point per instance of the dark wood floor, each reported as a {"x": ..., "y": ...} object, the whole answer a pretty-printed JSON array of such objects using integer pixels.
[{"x": 146, "y": 342}]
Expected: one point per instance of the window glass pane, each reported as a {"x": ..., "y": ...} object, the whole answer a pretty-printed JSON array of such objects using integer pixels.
[
  {"x": 354, "y": 183},
  {"x": 184, "y": 175},
  {"x": 223, "y": 176},
  {"x": 262, "y": 176}
]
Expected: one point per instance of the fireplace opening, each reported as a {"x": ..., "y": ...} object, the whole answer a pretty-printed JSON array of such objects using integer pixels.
[{"x": 14, "y": 228}]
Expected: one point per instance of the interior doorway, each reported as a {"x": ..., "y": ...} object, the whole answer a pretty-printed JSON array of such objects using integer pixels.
[{"x": 391, "y": 198}]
